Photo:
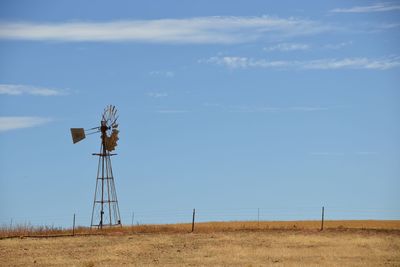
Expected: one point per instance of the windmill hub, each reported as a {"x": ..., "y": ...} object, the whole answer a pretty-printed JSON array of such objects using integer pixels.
[{"x": 103, "y": 127}]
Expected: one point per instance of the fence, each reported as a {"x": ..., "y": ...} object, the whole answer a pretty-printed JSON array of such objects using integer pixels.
[{"x": 172, "y": 216}]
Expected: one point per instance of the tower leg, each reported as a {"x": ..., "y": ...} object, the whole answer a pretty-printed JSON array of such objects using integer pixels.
[{"x": 105, "y": 210}]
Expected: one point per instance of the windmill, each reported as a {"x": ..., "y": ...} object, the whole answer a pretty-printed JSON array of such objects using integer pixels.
[{"x": 105, "y": 210}]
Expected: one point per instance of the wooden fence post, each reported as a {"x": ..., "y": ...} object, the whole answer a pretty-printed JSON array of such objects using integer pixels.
[
  {"x": 194, "y": 213},
  {"x": 322, "y": 219}
]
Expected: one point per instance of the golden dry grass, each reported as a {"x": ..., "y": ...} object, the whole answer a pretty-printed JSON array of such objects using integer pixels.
[
  {"x": 238, "y": 248},
  {"x": 207, "y": 227},
  {"x": 344, "y": 243}
]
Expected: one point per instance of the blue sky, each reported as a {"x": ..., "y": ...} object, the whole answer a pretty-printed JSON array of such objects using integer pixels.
[{"x": 223, "y": 105}]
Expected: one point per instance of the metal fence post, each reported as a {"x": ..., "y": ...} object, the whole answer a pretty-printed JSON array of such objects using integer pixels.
[
  {"x": 322, "y": 219},
  {"x": 194, "y": 213},
  {"x": 73, "y": 226}
]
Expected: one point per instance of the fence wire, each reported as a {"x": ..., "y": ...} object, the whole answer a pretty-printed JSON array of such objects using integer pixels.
[{"x": 172, "y": 216}]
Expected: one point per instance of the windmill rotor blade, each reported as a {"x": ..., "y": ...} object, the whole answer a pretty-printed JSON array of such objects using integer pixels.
[
  {"x": 77, "y": 134},
  {"x": 113, "y": 123},
  {"x": 105, "y": 113}
]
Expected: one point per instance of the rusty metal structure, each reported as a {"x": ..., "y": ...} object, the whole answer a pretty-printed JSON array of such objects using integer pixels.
[{"x": 105, "y": 212}]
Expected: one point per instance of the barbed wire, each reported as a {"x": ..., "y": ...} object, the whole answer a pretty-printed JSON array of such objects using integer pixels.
[{"x": 170, "y": 216}]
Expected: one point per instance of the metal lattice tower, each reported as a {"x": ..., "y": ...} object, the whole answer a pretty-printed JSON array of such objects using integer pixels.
[
  {"x": 105, "y": 212},
  {"x": 105, "y": 205}
]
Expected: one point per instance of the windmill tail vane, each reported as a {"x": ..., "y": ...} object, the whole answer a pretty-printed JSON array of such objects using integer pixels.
[{"x": 105, "y": 210}]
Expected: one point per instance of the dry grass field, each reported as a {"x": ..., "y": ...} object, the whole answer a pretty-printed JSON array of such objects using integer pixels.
[{"x": 342, "y": 243}]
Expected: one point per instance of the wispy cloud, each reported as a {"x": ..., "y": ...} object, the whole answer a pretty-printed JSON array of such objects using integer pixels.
[
  {"x": 171, "y": 111},
  {"x": 286, "y": 47},
  {"x": 326, "y": 153},
  {"x": 366, "y": 153},
  {"x": 379, "y": 27},
  {"x": 263, "y": 109},
  {"x": 330, "y": 153},
  {"x": 16, "y": 89},
  {"x": 157, "y": 95},
  {"x": 338, "y": 45},
  {"x": 388, "y": 26},
  {"x": 234, "y": 62},
  {"x": 220, "y": 30},
  {"x": 353, "y": 63},
  {"x": 253, "y": 109},
  {"x": 13, "y": 123},
  {"x": 163, "y": 73},
  {"x": 245, "y": 109},
  {"x": 379, "y": 7},
  {"x": 307, "y": 108}
]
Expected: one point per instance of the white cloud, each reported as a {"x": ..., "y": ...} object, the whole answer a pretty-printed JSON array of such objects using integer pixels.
[
  {"x": 251, "y": 109},
  {"x": 353, "y": 63},
  {"x": 168, "y": 74},
  {"x": 192, "y": 30},
  {"x": 157, "y": 95},
  {"x": 307, "y": 108},
  {"x": 244, "y": 62},
  {"x": 318, "y": 64},
  {"x": 380, "y": 27},
  {"x": 338, "y": 46},
  {"x": 388, "y": 26},
  {"x": 13, "y": 123},
  {"x": 285, "y": 47},
  {"x": 379, "y": 7},
  {"x": 171, "y": 111},
  {"x": 262, "y": 109},
  {"x": 366, "y": 153},
  {"x": 328, "y": 153},
  {"x": 278, "y": 109},
  {"x": 325, "y": 153},
  {"x": 16, "y": 89}
]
